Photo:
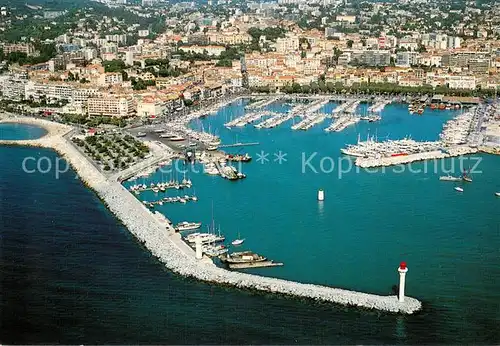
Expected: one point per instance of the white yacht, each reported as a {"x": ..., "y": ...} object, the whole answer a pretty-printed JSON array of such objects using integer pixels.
[
  {"x": 205, "y": 238},
  {"x": 187, "y": 226}
]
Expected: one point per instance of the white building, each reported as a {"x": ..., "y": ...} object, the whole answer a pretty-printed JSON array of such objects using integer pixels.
[
  {"x": 143, "y": 33},
  {"x": 287, "y": 44},
  {"x": 129, "y": 58},
  {"x": 461, "y": 82},
  {"x": 210, "y": 50},
  {"x": 110, "y": 78},
  {"x": 150, "y": 108},
  {"x": 111, "y": 105}
]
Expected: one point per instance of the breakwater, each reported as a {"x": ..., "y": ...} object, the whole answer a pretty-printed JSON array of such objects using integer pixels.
[{"x": 167, "y": 246}]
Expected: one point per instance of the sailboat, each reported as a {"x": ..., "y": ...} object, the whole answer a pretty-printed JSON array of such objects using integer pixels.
[
  {"x": 238, "y": 241},
  {"x": 466, "y": 177}
]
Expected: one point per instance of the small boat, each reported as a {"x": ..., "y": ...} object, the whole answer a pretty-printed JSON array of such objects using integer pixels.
[
  {"x": 187, "y": 226},
  {"x": 238, "y": 241},
  {"x": 459, "y": 189},
  {"x": 177, "y": 139},
  {"x": 466, "y": 177},
  {"x": 449, "y": 178},
  {"x": 497, "y": 194},
  {"x": 212, "y": 148},
  {"x": 242, "y": 257}
]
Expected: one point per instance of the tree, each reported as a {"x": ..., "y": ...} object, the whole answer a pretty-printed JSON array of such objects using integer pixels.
[
  {"x": 115, "y": 65},
  {"x": 350, "y": 43}
]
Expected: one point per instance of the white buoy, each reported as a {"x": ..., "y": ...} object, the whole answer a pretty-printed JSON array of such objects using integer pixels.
[
  {"x": 321, "y": 195},
  {"x": 402, "y": 274},
  {"x": 199, "y": 252}
]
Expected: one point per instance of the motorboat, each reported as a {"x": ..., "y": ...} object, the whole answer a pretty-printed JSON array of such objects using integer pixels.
[
  {"x": 177, "y": 139},
  {"x": 242, "y": 257},
  {"x": 187, "y": 226},
  {"x": 459, "y": 189},
  {"x": 449, "y": 178}
]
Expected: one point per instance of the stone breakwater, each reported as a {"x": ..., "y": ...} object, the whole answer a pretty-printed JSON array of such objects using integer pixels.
[{"x": 165, "y": 245}]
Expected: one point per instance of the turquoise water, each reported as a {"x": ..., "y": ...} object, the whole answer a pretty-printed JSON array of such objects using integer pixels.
[
  {"x": 369, "y": 222},
  {"x": 54, "y": 291},
  {"x": 12, "y": 131}
]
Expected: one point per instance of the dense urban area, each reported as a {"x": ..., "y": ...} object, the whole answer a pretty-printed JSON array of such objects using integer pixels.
[{"x": 105, "y": 61}]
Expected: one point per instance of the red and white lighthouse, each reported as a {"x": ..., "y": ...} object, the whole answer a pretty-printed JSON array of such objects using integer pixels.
[{"x": 402, "y": 276}]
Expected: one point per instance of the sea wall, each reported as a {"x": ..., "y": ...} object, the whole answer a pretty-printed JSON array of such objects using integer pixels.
[{"x": 167, "y": 247}]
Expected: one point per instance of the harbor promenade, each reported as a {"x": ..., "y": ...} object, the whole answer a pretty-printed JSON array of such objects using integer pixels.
[{"x": 174, "y": 253}]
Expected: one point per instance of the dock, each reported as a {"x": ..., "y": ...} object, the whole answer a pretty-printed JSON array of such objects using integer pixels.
[
  {"x": 234, "y": 145},
  {"x": 379, "y": 106},
  {"x": 342, "y": 123},
  {"x": 309, "y": 121},
  {"x": 262, "y": 103},
  {"x": 262, "y": 264}
]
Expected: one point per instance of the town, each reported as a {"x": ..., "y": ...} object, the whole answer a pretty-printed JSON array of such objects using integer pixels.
[{"x": 109, "y": 61}]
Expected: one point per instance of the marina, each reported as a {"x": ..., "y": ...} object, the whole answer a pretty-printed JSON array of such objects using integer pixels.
[
  {"x": 169, "y": 249},
  {"x": 284, "y": 273}
]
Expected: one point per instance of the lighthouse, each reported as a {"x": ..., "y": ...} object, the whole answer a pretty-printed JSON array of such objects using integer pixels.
[
  {"x": 402, "y": 274},
  {"x": 199, "y": 252}
]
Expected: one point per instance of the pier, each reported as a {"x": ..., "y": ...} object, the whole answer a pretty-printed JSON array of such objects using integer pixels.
[
  {"x": 342, "y": 123},
  {"x": 262, "y": 264},
  {"x": 309, "y": 121},
  {"x": 249, "y": 118},
  {"x": 262, "y": 103},
  {"x": 169, "y": 248},
  {"x": 235, "y": 145},
  {"x": 379, "y": 106}
]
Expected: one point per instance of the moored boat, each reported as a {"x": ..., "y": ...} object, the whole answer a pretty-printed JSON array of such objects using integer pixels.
[
  {"x": 187, "y": 226},
  {"x": 242, "y": 257}
]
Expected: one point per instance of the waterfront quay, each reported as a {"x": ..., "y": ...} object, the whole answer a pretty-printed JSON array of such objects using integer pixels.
[{"x": 160, "y": 238}]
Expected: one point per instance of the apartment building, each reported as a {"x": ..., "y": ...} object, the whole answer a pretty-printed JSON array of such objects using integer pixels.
[
  {"x": 462, "y": 58},
  {"x": 287, "y": 44},
  {"x": 12, "y": 87},
  {"x": 210, "y": 50},
  {"x": 461, "y": 82},
  {"x": 111, "y": 105},
  {"x": 25, "y": 48},
  {"x": 110, "y": 78},
  {"x": 48, "y": 91}
]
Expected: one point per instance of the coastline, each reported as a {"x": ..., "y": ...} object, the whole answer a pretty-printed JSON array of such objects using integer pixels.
[{"x": 168, "y": 247}]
